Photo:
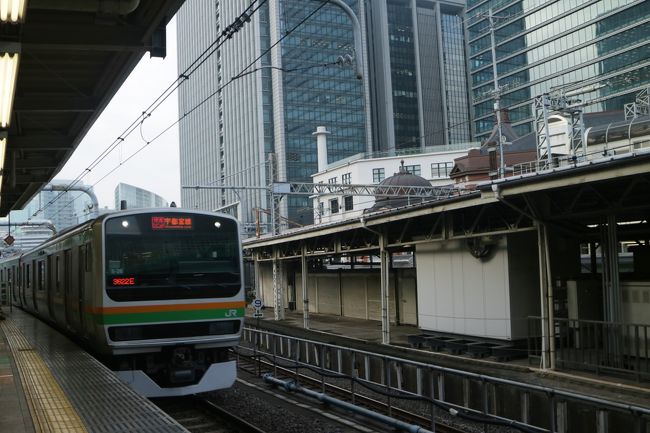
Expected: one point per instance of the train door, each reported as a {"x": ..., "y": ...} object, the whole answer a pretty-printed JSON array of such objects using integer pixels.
[
  {"x": 50, "y": 287},
  {"x": 23, "y": 282},
  {"x": 41, "y": 285},
  {"x": 34, "y": 284},
  {"x": 15, "y": 280},
  {"x": 70, "y": 288},
  {"x": 28, "y": 294},
  {"x": 12, "y": 286},
  {"x": 84, "y": 287}
]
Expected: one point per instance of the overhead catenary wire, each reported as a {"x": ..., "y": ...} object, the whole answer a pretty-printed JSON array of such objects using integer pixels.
[{"x": 214, "y": 93}]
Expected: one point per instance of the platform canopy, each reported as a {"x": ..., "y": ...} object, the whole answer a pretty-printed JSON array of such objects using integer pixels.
[{"x": 71, "y": 56}]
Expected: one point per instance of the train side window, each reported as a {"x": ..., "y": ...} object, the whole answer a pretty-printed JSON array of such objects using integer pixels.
[
  {"x": 41, "y": 275},
  {"x": 27, "y": 279},
  {"x": 48, "y": 270}
]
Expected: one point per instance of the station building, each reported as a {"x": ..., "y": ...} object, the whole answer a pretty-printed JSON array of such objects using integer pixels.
[
  {"x": 549, "y": 262},
  {"x": 433, "y": 166}
]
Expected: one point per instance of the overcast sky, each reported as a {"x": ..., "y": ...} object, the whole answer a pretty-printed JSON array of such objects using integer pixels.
[{"x": 156, "y": 168}]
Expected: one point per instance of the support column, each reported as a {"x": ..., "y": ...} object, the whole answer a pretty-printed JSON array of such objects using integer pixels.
[
  {"x": 613, "y": 308},
  {"x": 305, "y": 291},
  {"x": 546, "y": 295},
  {"x": 385, "y": 292},
  {"x": 613, "y": 300},
  {"x": 278, "y": 291},
  {"x": 259, "y": 293}
]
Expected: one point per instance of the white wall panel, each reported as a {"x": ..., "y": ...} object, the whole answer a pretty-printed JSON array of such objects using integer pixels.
[
  {"x": 353, "y": 292},
  {"x": 460, "y": 294}
]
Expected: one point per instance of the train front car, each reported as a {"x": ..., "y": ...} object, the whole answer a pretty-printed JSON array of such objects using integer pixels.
[{"x": 173, "y": 301}]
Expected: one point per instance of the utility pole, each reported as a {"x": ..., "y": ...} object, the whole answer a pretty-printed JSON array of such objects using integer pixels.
[{"x": 496, "y": 92}]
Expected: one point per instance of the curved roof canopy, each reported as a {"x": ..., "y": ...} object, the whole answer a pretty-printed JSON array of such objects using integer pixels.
[{"x": 72, "y": 57}]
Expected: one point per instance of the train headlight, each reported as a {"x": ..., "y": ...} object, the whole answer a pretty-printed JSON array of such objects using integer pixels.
[
  {"x": 125, "y": 223},
  {"x": 217, "y": 224}
]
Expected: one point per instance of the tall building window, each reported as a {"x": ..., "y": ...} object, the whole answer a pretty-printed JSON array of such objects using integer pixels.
[
  {"x": 413, "y": 169},
  {"x": 378, "y": 175},
  {"x": 331, "y": 180},
  {"x": 334, "y": 205},
  {"x": 348, "y": 202},
  {"x": 346, "y": 178},
  {"x": 441, "y": 169}
]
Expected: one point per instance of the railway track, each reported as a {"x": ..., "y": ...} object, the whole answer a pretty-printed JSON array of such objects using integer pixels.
[{"x": 199, "y": 414}]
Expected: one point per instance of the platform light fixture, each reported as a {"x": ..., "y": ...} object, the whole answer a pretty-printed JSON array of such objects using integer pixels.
[
  {"x": 3, "y": 148},
  {"x": 12, "y": 11},
  {"x": 9, "y": 57}
]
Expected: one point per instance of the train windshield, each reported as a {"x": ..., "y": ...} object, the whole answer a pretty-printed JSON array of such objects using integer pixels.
[{"x": 171, "y": 256}]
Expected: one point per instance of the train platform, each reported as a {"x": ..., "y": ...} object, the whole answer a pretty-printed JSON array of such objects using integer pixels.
[
  {"x": 367, "y": 335},
  {"x": 49, "y": 384}
]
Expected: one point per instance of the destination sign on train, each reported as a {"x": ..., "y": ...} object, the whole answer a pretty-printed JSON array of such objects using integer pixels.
[{"x": 170, "y": 223}]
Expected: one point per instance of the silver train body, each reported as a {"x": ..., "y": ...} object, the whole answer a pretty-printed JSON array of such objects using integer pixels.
[{"x": 157, "y": 294}]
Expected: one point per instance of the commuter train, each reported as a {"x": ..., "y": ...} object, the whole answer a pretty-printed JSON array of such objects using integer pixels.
[{"x": 157, "y": 294}]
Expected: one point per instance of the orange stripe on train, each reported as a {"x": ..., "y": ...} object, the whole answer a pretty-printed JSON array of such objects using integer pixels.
[{"x": 167, "y": 307}]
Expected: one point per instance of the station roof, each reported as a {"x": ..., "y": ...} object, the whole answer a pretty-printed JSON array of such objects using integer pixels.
[{"x": 73, "y": 57}]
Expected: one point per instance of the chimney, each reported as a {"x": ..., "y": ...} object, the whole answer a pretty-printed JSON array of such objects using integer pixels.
[{"x": 321, "y": 144}]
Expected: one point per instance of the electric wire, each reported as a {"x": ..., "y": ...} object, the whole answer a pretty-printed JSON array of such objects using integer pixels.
[{"x": 211, "y": 95}]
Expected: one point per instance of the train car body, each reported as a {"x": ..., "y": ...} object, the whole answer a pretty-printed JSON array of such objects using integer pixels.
[{"x": 158, "y": 294}]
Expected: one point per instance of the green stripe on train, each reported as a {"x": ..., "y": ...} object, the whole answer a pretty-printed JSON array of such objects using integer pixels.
[{"x": 168, "y": 316}]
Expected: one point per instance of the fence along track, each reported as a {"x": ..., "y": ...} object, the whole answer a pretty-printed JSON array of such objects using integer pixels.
[
  {"x": 486, "y": 399},
  {"x": 259, "y": 365}
]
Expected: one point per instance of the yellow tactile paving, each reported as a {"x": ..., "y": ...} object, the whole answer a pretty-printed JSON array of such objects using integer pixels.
[{"x": 51, "y": 410}]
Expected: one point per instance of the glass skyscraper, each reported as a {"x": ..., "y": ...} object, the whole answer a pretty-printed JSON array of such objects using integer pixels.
[
  {"x": 315, "y": 95},
  {"x": 272, "y": 110},
  {"x": 601, "y": 48},
  {"x": 418, "y": 83}
]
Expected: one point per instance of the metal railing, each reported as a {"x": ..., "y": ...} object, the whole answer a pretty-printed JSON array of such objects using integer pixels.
[
  {"x": 490, "y": 400},
  {"x": 543, "y": 164},
  {"x": 596, "y": 346}
]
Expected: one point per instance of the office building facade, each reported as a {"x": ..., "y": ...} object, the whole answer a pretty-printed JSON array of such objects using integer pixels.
[
  {"x": 137, "y": 198},
  {"x": 599, "y": 49},
  {"x": 259, "y": 126},
  {"x": 418, "y": 85}
]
